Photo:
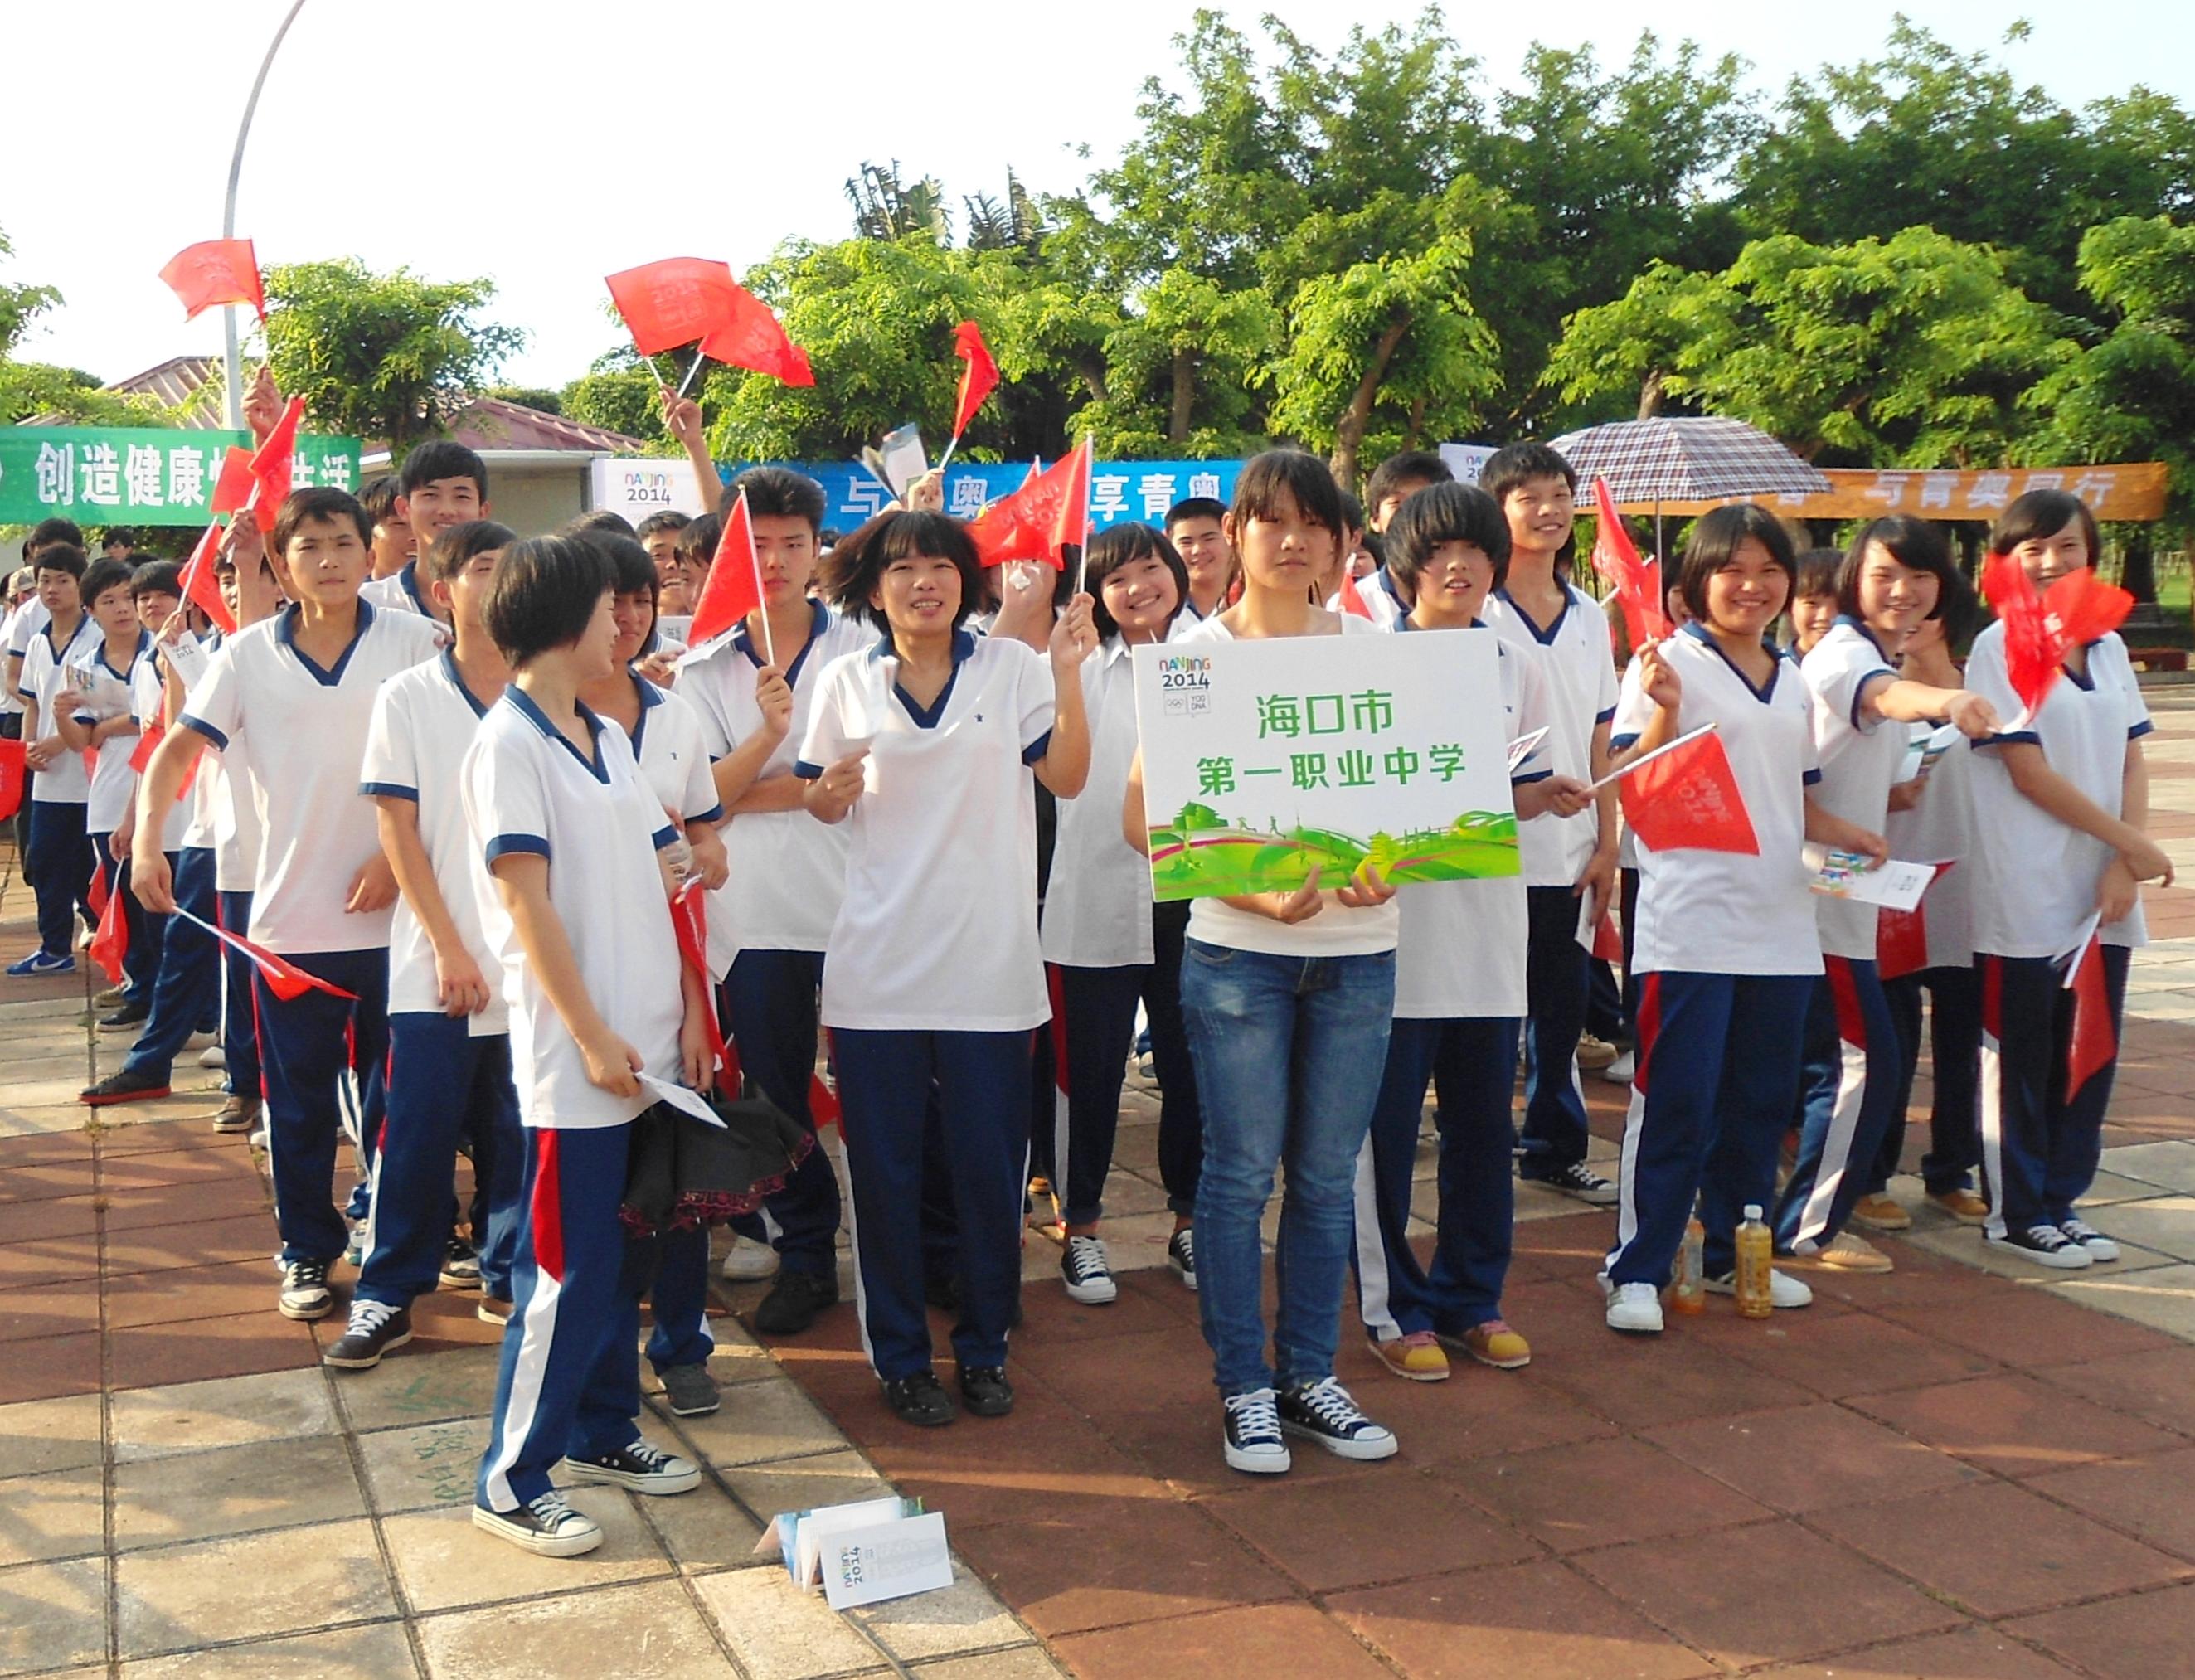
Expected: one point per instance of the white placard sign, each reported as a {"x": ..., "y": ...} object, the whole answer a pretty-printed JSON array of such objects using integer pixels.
[{"x": 637, "y": 488}]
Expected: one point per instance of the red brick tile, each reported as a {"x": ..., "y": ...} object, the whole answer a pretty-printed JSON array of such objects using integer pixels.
[
  {"x": 1478, "y": 1412},
  {"x": 1858, "y": 1353},
  {"x": 1811, "y": 1458},
  {"x": 51, "y": 1368},
  {"x": 159, "y": 1205},
  {"x": 56, "y": 1260},
  {"x": 189, "y": 1292},
  {"x": 1770, "y": 1592},
  {"x": 1971, "y": 1653},
  {"x": 1121, "y": 1566},
  {"x": 1143, "y": 1370},
  {"x": 71, "y": 1306},
  {"x": 1998, "y": 1549},
  {"x": 38, "y": 1180},
  {"x": 1385, "y": 1526},
  {"x": 152, "y": 1137},
  {"x": 1006, "y": 1469},
  {"x": 1274, "y": 1639},
  {"x": 1538, "y": 1620},
  {"x": 2151, "y": 1499},
  {"x": 202, "y": 1349},
  {"x": 1049, "y": 1318},
  {"x": 42, "y": 1148},
  {"x": 51, "y": 1216},
  {"x": 205, "y": 1166},
  {"x": 2146, "y": 1637},
  {"x": 159, "y": 1248},
  {"x": 2014, "y": 1424},
  {"x": 1639, "y": 1382},
  {"x": 2158, "y": 1387},
  {"x": 1599, "y": 1492}
]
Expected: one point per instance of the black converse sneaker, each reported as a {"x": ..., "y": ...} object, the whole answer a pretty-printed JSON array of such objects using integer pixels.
[
  {"x": 375, "y": 1328},
  {"x": 1578, "y": 1180},
  {"x": 460, "y": 1265},
  {"x": 2097, "y": 1245},
  {"x": 638, "y": 1468},
  {"x": 1181, "y": 1257},
  {"x": 1323, "y": 1411},
  {"x": 1082, "y": 1267},
  {"x": 547, "y": 1527},
  {"x": 1251, "y": 1436},
  {"x": 304, "y": 1290},
  {"x": 2045, "y": 1244}
]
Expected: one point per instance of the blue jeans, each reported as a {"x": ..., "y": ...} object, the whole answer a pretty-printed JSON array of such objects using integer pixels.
[{"x": 1288, "y": 1052}]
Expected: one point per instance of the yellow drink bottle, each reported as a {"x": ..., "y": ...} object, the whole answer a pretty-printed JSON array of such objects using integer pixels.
[{"x": 1756, "y": 1252}]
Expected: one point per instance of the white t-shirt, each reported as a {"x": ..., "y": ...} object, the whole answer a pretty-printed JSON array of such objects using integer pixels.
[
  {"x": 788, "y": 870},
  {"x": 1380, "y": 601},
  {"x": 1722, "y": 912},
  {"x": 146, "y": 695},
  {"x": 1860, "y": 755},
  {"x": 191, "y": 659},
  {"x": 937, "y": 926},
  {"x": 424, "y": 720},
  {"x": 1941, "y": 829},
  {"x": 1581, "y": 665},
  {"x": 108, "y": 692},
  {"x": 63, "y": 781},
  {"x": 1336, "y": 930},
  {"x": 304, "y": 731},
  {"x": 2037, "y": 881},
  {"x": 1461, "y": 955},
  {"x": 1097, "y": 908},
  {"x": 674, "y": 760},
  {"x": 27, "y": 621},
  {"x": 11, "y": 704},
  {"x": 527, "y": 789},
  {"x": 401, "y": 591}
]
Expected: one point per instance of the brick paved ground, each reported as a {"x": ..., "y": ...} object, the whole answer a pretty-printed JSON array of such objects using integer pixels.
[{"x": 1946, "y": 1472}]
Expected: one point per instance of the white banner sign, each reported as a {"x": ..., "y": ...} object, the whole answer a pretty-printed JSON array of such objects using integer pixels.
[{"x": 637, "y": 488}]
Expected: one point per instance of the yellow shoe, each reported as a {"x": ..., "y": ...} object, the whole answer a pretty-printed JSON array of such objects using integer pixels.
[
  {"x": 1845, "y": 1253},
  {"x": 1880, "y": 1213},
  {"x": 1594, "y": 1053},
  {"x": 1963, "y": 1205},
  {"x": 1494, "y": 1344},
  {"x": 1416, "y": 1357}
]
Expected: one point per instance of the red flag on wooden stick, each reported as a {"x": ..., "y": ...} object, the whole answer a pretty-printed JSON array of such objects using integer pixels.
[
  {"x": 215, "y": 271},
  {"x": 978, "y": 379},
  {"x": 734, "y": 586},
  {"x": 1026, "y": 525},
  {"x": 1686, "y": 798}
]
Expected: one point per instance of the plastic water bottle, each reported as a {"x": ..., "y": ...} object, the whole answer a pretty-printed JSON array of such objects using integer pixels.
[
  {"x": 1687, "y": 1290},
  {"x": 1756, "y": 1253}
]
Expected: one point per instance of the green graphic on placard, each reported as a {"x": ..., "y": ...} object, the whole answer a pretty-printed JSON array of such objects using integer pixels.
[{"x": 1201, "y": 853}]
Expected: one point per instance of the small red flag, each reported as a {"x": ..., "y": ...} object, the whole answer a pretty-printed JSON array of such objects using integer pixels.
[
  {"x": 1026, "y": 525},
  {"x": 2093, "y": 1044},
  {"x": 734, "y": 586},
  {"x": 284, "y": 978},
  {"x": 2042, "y": 627},
  {"x": 1353, "y": 598},
  {"x": 1901, "y": 936},
  {"x": 822, "y": 1103},
  {"x": 215, "y": 271},
  {"x": 148, "y": 743},
  {"x": 1070, "y": 525},
  {"x": 110, "y": 941},
  {"x": 689, "y": 920},
  {"x": 978, "y": 379},
  {"x": 2080, "y": 607},
  {"x": 199, "y": 586},
  {"x": 11, "y": 779},
  {"x": 750, "y": 336},
  {"x": 233, "y": 489},
  {"x": 677, "y": 300},
  {"x": 273, "y": 463},
  {"x": 1637, "y": 583},
  {"x": 1607, "y": 940},
  {"x": 1687, "y": 799}
]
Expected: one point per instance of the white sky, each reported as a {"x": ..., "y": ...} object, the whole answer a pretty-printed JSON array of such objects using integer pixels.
[{"x": 402, "y": 148}]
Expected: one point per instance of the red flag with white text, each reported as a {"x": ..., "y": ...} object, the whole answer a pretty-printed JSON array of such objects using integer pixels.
[
  {"x": 1687, "y": 800},
  {"x": 215, "y": 271}
]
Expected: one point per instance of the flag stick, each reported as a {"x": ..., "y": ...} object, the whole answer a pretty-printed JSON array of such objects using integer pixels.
[
  {"x": 685, "y": 383},
  {"x": 946, "y": 460},
  {"x": 1649, "y": 757}
]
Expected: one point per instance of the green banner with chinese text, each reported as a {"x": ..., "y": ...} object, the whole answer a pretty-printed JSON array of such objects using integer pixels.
[{"x": 139, "y": 475}]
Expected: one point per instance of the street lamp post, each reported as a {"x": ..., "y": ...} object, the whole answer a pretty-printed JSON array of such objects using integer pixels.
[{"x": 233, "y": 357}]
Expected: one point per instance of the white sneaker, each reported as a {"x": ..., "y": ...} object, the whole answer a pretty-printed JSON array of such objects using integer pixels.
[
  {"x": 1784, "y": 1291},
  {"x": 1635, "y": 1307},
  {"x": 2093, "y": 1243},
  {"x": 745, "y": 1260},
  {"x": 1619, "y": 1071},
  {"x": 1083, "y": 1269},
  {"x": 213, "y": 1056}
]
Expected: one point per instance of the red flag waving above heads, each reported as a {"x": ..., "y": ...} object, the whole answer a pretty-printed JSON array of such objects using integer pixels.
[
  {"x": 233, "y": 489},
  {"x": 678, "y": 300},
  {"x": 215, "y": 271},
  {"x": 1028, "y": 524},
  {"x": 750, "y": 336},
  {"x": 1071, "y": 525},
  {"x": 272, "y": 463},
  {"x": 2041, "y": 626},
  {"x": 733, "y": 587},
  {"x": 199, "y": 586},
  {"x": 978, "y": 379},
  {"x": 1637, "y": 583},
  {"x": 1687, "y": 799}
]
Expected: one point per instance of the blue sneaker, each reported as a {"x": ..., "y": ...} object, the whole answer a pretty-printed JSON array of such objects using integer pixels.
[{"x": 39, "y": 963}]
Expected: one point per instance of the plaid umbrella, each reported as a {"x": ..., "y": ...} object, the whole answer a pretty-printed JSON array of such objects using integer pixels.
[{"x": 1687, "y": 460}]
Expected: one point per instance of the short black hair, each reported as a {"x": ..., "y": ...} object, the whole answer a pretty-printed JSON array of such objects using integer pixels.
[
  {"x": 441, "y": 459},
  {"x": 545, "y": 594},
  {"x": 1911, "y": 542},
  {"x": 377, "y": 496},
  {"x": 1717, "y": 536},
  {"x": 1352, "y": 513},
  {"x": 456, "y": 548},
  {"x": 779, "y": 492},
  {"x": 2043, "y": 513},
  {"x": 1957, "y": 608},
  {"x": 598, "y": 518},
  {"x": 118, "y": 534},
  {"x": 630, "y": 569},
  {"x": 156, "y": 577},
  {"x": 1446, "y": 513},
  {"x": 664, "y": 519},
  {"x": 321, "y": 502},
  {"x": 697, "y": 542},
  {"x": 100, "y": 576},
  {"x": 1518, "y": 463},
  {"x": 1195, "y": 507},
  {"x": 1410, "y": 466},
  {"x": 1123, "y": 544},
  {"x": 1297, "y": 474},
  {"x": 49, "y": 532},
  {"x": 1817, "y": 573},
  {"x": 61, "y": 557},
  {"x": 853, "y": 570}
]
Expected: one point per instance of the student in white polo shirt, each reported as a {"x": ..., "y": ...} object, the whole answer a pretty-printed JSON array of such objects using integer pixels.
[
  {"x": 2060, "y": 804},
  {"x": 928, "y": 741},
  {"x": 580, "y": 918},
  {"x": 57, "y": 853},
  {"x": 1107, "y": 946},
  {"x": 443, "y": 485},
  {"x": 772, "y": 920},
  {"x": 1566, "y": 858},
  {"x": 92, "y": 715},
  {"x": 296, "y": 693},
  {"x": 1727, "y": 951},
  {"x": 1893, "y": 576},
  {"x": 449, "y": 1038}
]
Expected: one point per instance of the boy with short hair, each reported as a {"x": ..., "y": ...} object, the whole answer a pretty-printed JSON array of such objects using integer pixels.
[
  {"x": 394, "y": 546},
  {"x": 658, "y": 534},
  {"x": 443, "y": 485},
  {"x": 57, "y": 857},
  {"x": 236, "y": 857},
  {"x": 296, "y": 692},
  {"x": 1196, "y": 528},
  {"x": 1385, "y": 598},
  {"x": 93, "y": 717},
  {"x": 1566, "y": 858}
]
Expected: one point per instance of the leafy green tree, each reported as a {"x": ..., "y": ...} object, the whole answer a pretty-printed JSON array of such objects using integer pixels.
[
  {"x": 29, "y": 389},
  {"x": 389, "y": 357}
]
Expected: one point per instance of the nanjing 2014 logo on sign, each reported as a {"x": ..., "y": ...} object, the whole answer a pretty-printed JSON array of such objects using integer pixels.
[
  {"x": 1185, "y": 684},
  {"x": 643, "y": 485}
]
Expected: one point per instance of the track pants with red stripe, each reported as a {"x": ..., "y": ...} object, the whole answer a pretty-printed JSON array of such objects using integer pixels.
[
  {"x": 570, "y": 1378},
  {"x": 1717, "y": 1073},
  {"x": 1848, "y": 1085},
  {"x": 2040, "y": 1147}
]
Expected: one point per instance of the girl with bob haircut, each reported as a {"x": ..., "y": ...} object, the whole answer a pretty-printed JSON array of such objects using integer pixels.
[
  {"x": 1106, "y": 945},
  {"x": 926, "y": 743},
  {"x": 1893, "y": 576},
  {"x": 1726, "y": 949},
  {"x": 2061, "y": 799},
  {"x": 1288, "y": 998}
]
